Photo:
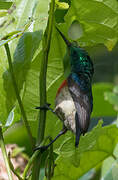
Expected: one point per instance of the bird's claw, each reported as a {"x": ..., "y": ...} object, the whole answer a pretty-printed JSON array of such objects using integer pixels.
[
  {"x": 45, "y": 107},
  {"x": 41, "y": 148}
]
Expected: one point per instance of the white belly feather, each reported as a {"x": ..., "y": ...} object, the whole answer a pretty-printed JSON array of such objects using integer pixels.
[{"x": 65, "y": 108}]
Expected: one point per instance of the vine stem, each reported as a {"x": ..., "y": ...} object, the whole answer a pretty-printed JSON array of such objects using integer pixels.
[
  {"x": 50, "y": 163},
  {"x": 42, "y": 85},
  {"x": 17, "y": 94},
  {"x": 5, "y": 155},
  {"x": 43, "y": 73},
  {"x": 31, "y": 160}
]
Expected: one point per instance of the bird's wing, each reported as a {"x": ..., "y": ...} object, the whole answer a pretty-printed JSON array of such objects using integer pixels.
[{"x": 82, "y": 105}]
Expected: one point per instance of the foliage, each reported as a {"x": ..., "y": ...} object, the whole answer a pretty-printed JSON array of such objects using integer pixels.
[
  {"x": 24, "y": 25},
  {"x": 112, "y": 97}
]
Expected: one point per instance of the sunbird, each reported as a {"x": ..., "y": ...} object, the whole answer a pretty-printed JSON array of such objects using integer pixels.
[{"x": 74, "y": 100}]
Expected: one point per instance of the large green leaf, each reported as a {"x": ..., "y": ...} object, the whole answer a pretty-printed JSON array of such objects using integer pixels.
[
  {"x": 22, "y": 59},
  {"x": 98, "y": 19},
  {"x": 94, "y": 148},
  {"x": 54, "y": 72}
]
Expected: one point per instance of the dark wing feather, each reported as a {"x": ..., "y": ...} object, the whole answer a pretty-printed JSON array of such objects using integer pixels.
[{"x": 82, "y": 105}]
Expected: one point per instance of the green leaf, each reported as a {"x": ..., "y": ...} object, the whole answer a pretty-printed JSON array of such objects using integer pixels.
[
  {"x": 25, "y": 10},
  {"x": 112, "y": 97},
  {"x": 98, "y": 19},
  {"x": 89, "y": 175},
  {"x": 93, "y": 149},
  {"x": 109, "y": 169},
  {"x": 19, "y": 17},
  {"x": 22, "y": 59},
  {"x": 100, "y": 106},
  {"x": 54, "y": 72},
  {"x": 5, "y": 4},
  {"x": 10, "y": 119},
  {"x": 41, "y": 15},
  {"x": 115, "y": 153}
]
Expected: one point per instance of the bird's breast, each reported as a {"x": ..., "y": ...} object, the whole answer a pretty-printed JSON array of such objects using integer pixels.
[{"x": 65, "y": 108}]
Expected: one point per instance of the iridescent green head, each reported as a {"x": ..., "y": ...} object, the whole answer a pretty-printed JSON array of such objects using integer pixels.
[{"x": 76, "y": 59}]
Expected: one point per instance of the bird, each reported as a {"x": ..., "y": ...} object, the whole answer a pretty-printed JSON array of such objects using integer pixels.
[{"x": 74, "y": 100}]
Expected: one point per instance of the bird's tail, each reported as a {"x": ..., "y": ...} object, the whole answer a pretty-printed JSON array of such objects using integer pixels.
[{"x": 78, "y": 131}]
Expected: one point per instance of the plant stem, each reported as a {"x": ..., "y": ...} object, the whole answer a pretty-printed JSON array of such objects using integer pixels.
[
  {"x": 42, "y": 83},
  {"x": 50, "y": 163},
  {"x": 5, "y": 155},
  {"x": 17, "y": 94},
  {"x": 31, "y": 160},
  {"x": 43, "y": 73}
]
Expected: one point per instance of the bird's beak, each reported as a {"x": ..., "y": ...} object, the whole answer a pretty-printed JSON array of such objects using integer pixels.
[{"x": 64, "y": 38}]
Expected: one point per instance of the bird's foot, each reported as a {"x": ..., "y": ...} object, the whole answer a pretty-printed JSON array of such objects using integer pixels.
[
  {"x": 41, "y": 148},
  {"x": 45, "y": 107},
  {"x": 44, "y": 148}
]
